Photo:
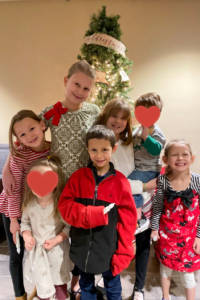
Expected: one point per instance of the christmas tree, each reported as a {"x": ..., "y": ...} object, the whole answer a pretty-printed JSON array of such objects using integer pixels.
[{"x": 103, "y": 49}]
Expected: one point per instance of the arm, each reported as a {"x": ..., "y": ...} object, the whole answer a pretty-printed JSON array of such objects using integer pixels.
[
  {"x": 155, "y": 142},
  {"x": 127, "y": 219},
  {"x": 157, "y": 209},
  {"x": 7, "y": 177},
  {"x": 77, "y": 214},
  {"x": 26, "y": 231}
]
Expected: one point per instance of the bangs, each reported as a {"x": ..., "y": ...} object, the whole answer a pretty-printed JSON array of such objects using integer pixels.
[{"x": 121, "y": 108}]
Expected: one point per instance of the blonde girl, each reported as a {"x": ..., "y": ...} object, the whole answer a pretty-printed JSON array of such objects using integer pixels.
[
  {"x": 175, "y": 221},
  {"x": 116, "y": 115},
  {"x": 46, "y": 261},
  {"x": 27, "y": 143}
]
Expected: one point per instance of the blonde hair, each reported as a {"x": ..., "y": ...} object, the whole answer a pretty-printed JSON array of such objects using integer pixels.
[
  {"x": 84, "y": 67},
  {"x": 149, "y": 99},
  {"x": 112, "y": 108},
  {"x": 169, "y": 145},
  {"x": 55, "y": 164},
  {"x": 22, "y": 114}
]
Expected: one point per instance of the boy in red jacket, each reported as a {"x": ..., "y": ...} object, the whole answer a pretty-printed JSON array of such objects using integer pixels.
[{"x": 98, "y": 203}]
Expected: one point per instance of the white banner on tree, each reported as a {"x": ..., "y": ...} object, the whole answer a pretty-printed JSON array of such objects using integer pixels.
[{"x": 105, "y": 40}]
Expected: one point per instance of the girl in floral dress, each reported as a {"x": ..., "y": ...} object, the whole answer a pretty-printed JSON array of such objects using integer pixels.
[{"x": 176, "y": 218}]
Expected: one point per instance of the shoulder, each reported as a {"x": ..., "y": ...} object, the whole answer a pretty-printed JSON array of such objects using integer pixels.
[
  {"x": 91, "y": 107},
  {"x": 79, "y": 174},
  {"x": 195, "y": 179},
  {"x": 44, "y": 110}
]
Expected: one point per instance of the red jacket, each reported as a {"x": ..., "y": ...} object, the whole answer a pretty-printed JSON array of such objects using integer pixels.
[{"x": 99, "y": 242}]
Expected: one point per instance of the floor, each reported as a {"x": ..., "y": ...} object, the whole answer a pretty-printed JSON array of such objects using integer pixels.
[{"x": 152, "y": 287}]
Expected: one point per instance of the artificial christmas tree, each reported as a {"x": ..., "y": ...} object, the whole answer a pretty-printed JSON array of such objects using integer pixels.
[{"x": 103, "y": 49}]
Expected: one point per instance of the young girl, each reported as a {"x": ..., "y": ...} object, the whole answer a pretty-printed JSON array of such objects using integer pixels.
[
  {"x": 116, "y": 115},
  {"x": 70, "y": 120},
  {"x": 28, "y": 130},
  {"x": 175, "y": 219},
  {"x": 46, "y": 261}
]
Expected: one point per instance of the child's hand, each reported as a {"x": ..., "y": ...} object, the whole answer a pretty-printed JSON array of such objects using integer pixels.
[
  {"x": 49, "y": 244},
  {"x": 14, "y": 227},
  {"x": 196, "y": 245},
  {"x": 151, "y": 184},
  {"x": 29, "y": 240},
  {"x": 145, "y": 132},
  {"x": 154, "y": 236},
  {"x": 108, "y": 208}
]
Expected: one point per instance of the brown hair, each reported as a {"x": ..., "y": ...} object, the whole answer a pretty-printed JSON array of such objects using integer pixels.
[
  {"x": 149, "y": 99},
  {"x": 112, "y": 108},
  {"x": 84, "y": 67},
  {"x": 22, "y": 114},
  {"x": 101, "y": 132},
  {"x": 169, "y": 145},
  {"x": 55, "y": 164}
]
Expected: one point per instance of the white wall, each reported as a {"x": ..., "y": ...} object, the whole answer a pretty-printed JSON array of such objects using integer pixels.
[{"x": 40, "y": 39}]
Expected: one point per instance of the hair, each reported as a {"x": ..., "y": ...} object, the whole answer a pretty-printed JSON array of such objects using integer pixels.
[
  {"x": 22, "y": 114},
  {"x": 169, "y": 145},
  {"x": 149, "y": 99},
  {"x": 55, "y": 164},
  {"x": 101, "y": 132},
  {"x": 113, "y": 107},
  {"x": 84, "y": 67}
]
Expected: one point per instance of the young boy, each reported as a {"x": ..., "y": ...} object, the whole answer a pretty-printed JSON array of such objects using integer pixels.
[
  {"x": 148, "y": 143},
  {"x": 97, "y": 202}
]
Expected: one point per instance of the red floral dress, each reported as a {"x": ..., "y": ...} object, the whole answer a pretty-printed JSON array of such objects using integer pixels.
[{"x": 178, "y": 228}]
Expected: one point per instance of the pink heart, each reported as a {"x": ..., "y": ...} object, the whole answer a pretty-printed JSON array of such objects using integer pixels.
[
  {"x": 42, "y": 184},
  {"x": 147, "y": 116}
]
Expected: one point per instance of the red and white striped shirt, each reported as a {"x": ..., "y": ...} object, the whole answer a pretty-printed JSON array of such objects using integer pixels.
[{"x": 10, "y": 205}]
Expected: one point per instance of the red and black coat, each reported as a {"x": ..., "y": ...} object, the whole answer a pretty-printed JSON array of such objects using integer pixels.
[{"x": 99, "y": 241}]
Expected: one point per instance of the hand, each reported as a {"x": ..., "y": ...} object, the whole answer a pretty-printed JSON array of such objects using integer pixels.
[
  {"x": 145, "y": 133},
  {"x": 49, "y": 244},
  {"x": 196, "y": 245},
  {"x": 29, "y": 240},
  {"x": 154, "y": 236},
  {"x": 14, "y": 227},
  {"x": 151, "y": 184},
  {"x": 108, "y": 208}
]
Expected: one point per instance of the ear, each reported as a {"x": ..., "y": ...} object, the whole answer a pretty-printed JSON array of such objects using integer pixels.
[
  {"x": 43, "y": 126},
  {"x": 192, "y": 158},
  {"x": 114, "y": 148},
  {"x": 65, "y": 80},
  {"x": 164, "y": 158}
]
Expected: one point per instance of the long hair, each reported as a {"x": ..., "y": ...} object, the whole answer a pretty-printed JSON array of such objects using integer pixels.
[
  {"x": 54, "y": 163},
  {"x": 112, "y": 108},
  {"x": 22, "y": 114},
  {"x": 167, "y": 148}
]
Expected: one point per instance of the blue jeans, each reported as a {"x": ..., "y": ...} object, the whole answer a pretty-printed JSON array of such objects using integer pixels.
[
  {"x": 112, "y": 285},
  {"x": 15, "y": 263},
  {"x": 143, "y": 176}
]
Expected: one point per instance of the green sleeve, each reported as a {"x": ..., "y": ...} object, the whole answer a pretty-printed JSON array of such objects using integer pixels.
[{"x": 152, "y": 146}]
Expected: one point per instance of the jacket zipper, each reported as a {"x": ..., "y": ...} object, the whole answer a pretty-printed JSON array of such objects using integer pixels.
[{"x": 90, "y": 243}]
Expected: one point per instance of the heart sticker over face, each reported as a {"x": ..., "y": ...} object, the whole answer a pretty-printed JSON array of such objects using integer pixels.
[
  {"x": 147, "y": 116},
  {"x": 42, "y": 184}
]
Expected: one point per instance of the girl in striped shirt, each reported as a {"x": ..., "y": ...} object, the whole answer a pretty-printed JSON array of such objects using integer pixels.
[
  {"x": 176, "y": 218},
  {"x": 27, "y": 143}
]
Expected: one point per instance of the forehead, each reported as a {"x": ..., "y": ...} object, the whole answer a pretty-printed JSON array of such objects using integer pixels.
[
  {"x": 98, "y": 143},
  {"x": 41, "y": 169},
  {"x": 23, "y": 124},
  {"x": 178, "y": 147},
  {"x": 81, "y": 78}
]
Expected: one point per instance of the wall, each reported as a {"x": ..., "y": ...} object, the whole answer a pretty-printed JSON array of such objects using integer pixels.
[{"x": 40, "y": 39}]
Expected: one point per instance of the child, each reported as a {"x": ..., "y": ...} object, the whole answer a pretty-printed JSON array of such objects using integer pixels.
[
  {"x": 101, "y": 242},
  {"x": 116, "y": 115},
  {"x": 175, "y": 220},
  {"x": 147, "y": 147},
  {"x": 70, "y": 120},
  {"x": 28, "y": 129},
  {"x": 46, "y": 262}
]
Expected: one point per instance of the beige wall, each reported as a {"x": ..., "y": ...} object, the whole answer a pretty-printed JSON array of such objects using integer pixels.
[{"x": 40, "y": 39}]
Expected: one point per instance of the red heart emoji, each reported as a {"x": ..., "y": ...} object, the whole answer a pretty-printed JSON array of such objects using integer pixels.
[
  {"x": 42, "y": 184},
  {"x": 147, "y": 116}
]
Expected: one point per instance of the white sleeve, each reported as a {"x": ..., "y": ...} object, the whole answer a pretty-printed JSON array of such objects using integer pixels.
[{"x": 136, "y": 186}]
